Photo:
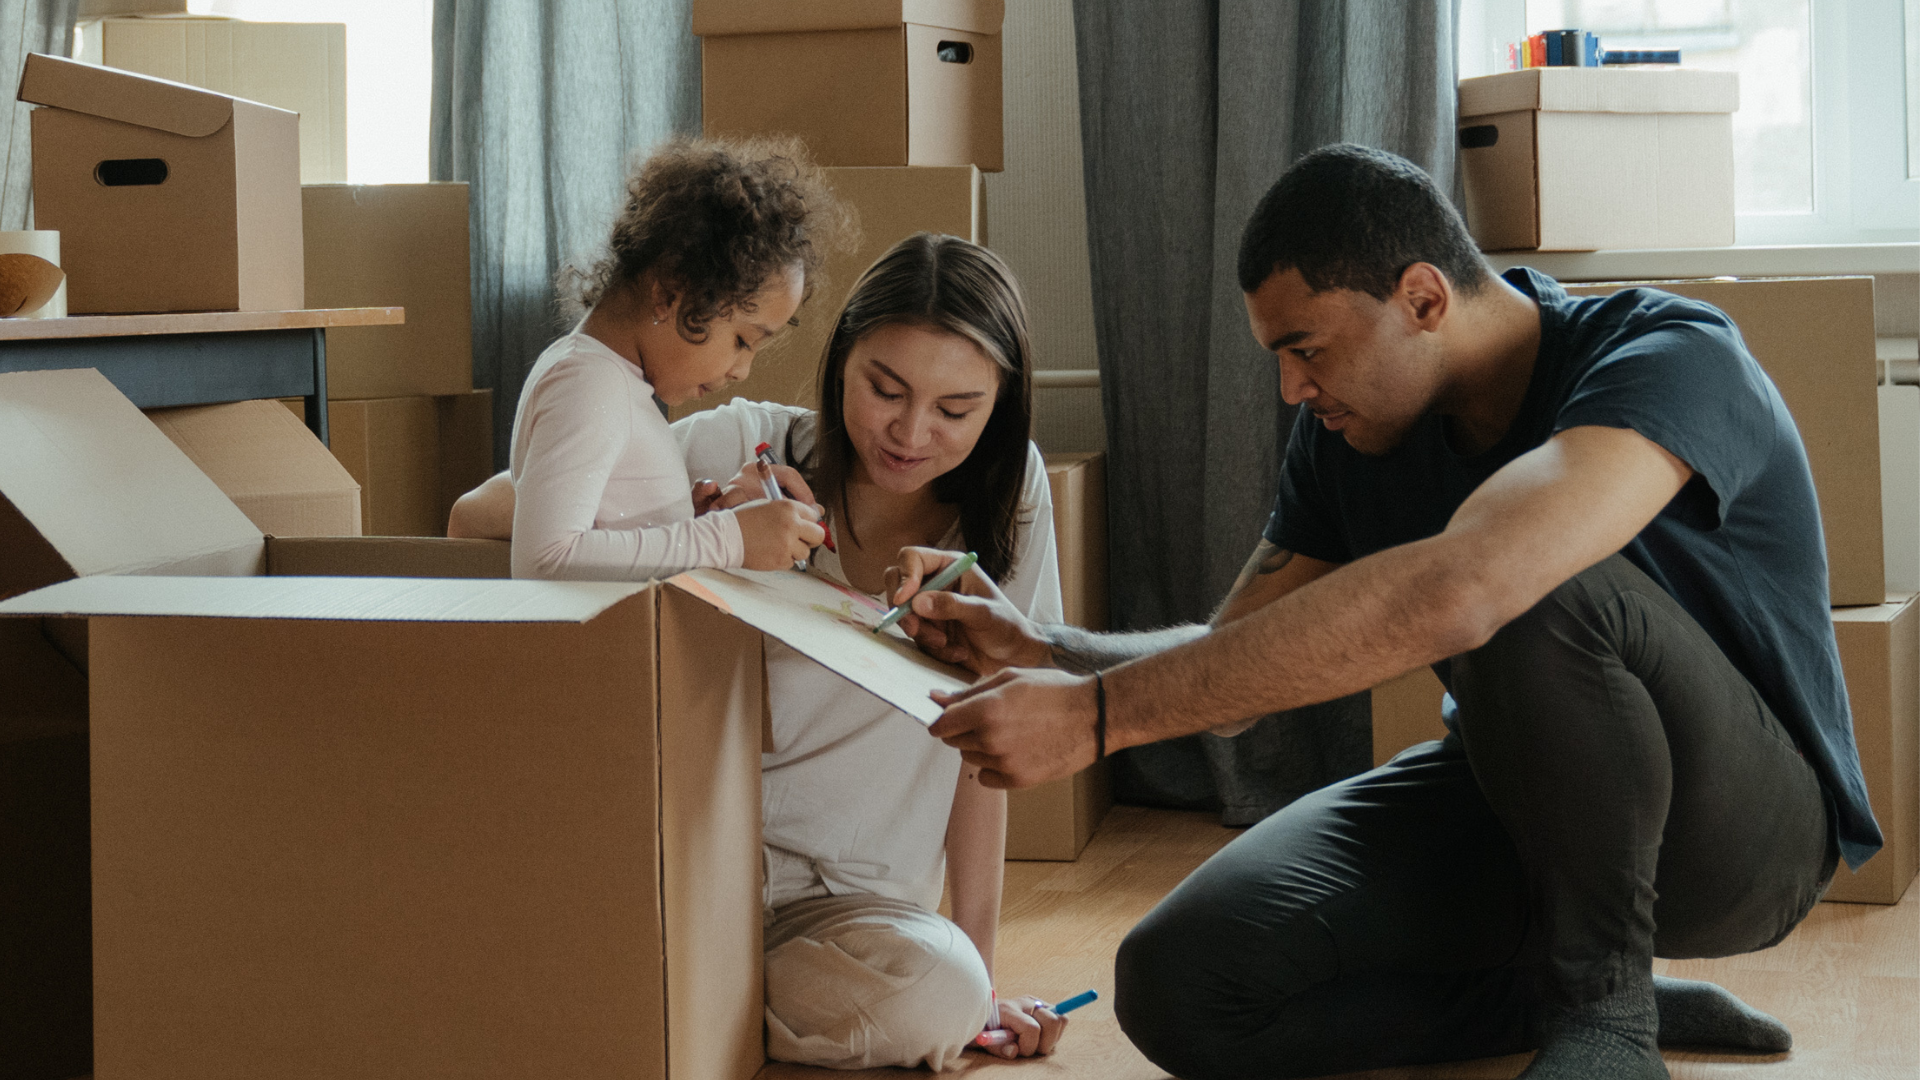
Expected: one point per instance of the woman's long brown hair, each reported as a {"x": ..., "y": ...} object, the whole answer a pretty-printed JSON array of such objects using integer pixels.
[{"x": 945, "y": 283}]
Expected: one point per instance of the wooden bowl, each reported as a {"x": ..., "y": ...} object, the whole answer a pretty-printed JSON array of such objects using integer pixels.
[{"x": 27, "y": 282}]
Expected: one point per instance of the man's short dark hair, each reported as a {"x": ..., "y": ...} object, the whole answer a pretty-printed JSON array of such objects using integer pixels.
[{"x": 1351, "y": 217}]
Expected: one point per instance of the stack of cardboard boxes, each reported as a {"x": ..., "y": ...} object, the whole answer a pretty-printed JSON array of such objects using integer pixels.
[
  {"x": 406, "y": 423},
  {"x": 901, "y": 103}
]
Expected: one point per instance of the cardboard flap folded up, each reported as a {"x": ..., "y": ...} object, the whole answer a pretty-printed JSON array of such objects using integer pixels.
[
  {"x": 1566, "y": 89},
  {"x": 716, "y": 18},
  {"x": 89, "y": 486},
  {"x": 121, "y": 95},
  {"x": 833, "y": 627}
]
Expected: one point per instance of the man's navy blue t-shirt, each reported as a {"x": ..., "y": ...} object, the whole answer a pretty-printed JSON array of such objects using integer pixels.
[{"x": 1739, "y": 547}]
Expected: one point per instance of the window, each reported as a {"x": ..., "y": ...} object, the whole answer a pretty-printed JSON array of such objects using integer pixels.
[
  {"x": 389, "y": 76},
  {"x": 1827, "y": 138}
]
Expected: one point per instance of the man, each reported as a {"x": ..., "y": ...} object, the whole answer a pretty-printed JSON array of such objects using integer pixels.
[{"x": 1595, "y": 519}]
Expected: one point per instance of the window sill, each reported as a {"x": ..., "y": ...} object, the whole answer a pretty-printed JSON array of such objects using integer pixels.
[{"x": 1800, "y": 260}]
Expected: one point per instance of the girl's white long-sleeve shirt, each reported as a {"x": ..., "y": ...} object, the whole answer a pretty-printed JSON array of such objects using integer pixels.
[{"x": 601, "y": 491}]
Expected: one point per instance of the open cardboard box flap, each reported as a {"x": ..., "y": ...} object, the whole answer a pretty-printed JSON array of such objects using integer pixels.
[
  {"x": 141, "y": 100},
  {"x": 88, "y": 485}
]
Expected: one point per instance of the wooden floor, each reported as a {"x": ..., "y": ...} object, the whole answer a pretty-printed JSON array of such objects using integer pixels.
[{"x": 1847, "y": 981}]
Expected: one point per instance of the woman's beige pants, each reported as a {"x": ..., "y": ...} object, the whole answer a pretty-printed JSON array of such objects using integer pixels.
[{"x": 855, "y": 982}]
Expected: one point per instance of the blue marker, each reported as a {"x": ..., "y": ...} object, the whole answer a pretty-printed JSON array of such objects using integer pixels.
[{"x": 1001, "y": 1036}]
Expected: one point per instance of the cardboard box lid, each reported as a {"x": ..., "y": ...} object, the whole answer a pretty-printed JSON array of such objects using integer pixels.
[
  {"x": 716, "y": 18},
  {"x": 89, "y": 486},
  {"x": 141, "y": 100},
  {"x": 1569, "y": 89}
]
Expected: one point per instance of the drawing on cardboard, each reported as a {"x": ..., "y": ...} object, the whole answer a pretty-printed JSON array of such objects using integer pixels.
[{"x": 820, "y": 620}]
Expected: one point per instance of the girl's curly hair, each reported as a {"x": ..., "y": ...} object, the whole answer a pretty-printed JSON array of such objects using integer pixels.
[{"x": 714, "y": 220}]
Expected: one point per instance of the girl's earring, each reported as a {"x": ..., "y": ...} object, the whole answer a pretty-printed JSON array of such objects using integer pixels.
[{"x": 656, "y": 322}]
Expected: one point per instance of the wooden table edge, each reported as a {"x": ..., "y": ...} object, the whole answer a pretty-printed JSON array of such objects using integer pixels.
[{"x": 196, "y": 322}]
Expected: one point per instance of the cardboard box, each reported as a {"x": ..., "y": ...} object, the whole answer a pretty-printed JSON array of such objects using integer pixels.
[
  {"x": 269, "y": 464},
  {"x": 1054, "y": 821},
  {"x": 1880, "y": 653},
  {"x": 863, "y": 83},
  {"x": 367, "y": 825},
  {"x": 412, "y": 456},
  {"x": 166, "y": 197},
  {"x": 1900, "y": 485},
  {"x": 300, "y": 67},
  {"x": 1814, "y": 337},
  {"x": 399, "y": 245},
  {"x": 1576, "y": 159},
  {"x": 1406, "y": 712},
  {"x": 1079, "y": 489},
  {"x": 892, "y": 205}
]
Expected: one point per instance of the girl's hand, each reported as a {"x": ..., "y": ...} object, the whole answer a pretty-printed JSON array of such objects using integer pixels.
[
  {"x": 778, "y": 532},
  {"x": 1034, "y": 1022},
  {"x": 706, "y": 496},
  {"x": 746, "y": 486}
]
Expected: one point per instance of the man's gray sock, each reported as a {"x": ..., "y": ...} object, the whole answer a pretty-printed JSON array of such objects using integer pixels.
[
  {"x": 1702, "y": 1014},
  {"x": 1614, "y": 1038}
]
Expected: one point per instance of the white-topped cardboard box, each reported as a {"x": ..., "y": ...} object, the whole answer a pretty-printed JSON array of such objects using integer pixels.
[
  {"x": 394, "y": 826},
  {"x": 863, "y": 82},
  {"x": 167, "y": 197},
  {"x": 1578, "y": 159}
]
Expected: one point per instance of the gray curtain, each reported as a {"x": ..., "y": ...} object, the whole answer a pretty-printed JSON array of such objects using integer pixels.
[
  {"x": 540, "y": 107},
  {"x": 1189, "y": 110},
  {"x": 27, "y": 26}
]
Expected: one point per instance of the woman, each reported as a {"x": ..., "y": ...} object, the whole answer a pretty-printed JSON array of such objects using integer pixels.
[{"x": 921, "y": 440}]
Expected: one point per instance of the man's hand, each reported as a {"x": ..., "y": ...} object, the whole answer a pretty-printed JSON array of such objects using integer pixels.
[
  {"x": 1021, "y": 727},
  {"x": 974, "y": 625}
]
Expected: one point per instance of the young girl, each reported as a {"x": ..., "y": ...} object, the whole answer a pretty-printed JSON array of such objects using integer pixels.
[
  {"x": 709, "y": 259},
  {"x": 921, "y": 439}
]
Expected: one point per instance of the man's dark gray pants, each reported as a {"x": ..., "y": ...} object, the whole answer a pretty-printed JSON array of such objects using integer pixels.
[{"x": 1615, "y": 790}]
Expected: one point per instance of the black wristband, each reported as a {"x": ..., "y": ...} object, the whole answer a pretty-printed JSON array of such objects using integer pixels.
[{"x": 1099, "y": 716}]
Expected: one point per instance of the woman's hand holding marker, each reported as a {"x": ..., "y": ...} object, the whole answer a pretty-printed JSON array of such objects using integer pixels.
[
  {"x": 1027, "y": 1026},
  {"x": 972, "y": 624}
]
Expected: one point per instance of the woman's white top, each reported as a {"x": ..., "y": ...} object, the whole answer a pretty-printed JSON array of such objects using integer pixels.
[
  {"x": 601, "y": 491},
  {"x": 855, "y": 794}
]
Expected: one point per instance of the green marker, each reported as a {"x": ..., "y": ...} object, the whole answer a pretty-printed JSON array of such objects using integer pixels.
[{"x": 940, "y": 581}]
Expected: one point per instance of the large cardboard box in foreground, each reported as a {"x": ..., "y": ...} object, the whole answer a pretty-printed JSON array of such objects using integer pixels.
[
  {"x": 382, "y": 826},
  {"x": 1576, "y": 159},
  {"x": 1814, "y": 337},
  {"x": 167, "y": 197},
  {"x": 399, "y": 245},
  {"x": 269, "y": 464},
  {"x": 892, "y": 204},
  {"x": 863, "y": 83},
  {"x": 300, "y": 67},
  {"x": 1054, "y": 820}
]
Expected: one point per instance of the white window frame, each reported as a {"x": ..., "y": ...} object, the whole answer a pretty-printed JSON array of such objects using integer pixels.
[{"x": 1861, "y": 192}]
